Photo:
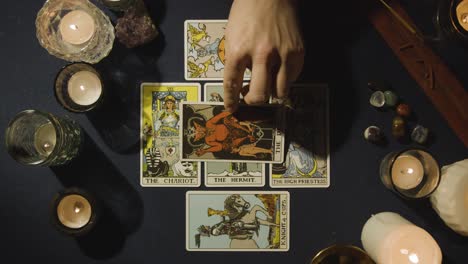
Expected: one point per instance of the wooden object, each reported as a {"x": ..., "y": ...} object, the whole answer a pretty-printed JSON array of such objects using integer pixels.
[{"x": 437, "y": 81}]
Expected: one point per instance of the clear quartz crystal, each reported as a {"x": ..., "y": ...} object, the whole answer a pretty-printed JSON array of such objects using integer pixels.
[{"x": 49, "y": 36}]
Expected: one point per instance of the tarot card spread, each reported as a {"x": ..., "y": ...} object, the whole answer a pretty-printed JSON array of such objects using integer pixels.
[
  {"x": 160, "y": 146},
  {"x": 204, "y": 50},
  {"x": 237, "y": 221},
  {"x": 230, "y": 174},
  {"x": 307, "y": 162},
  {"x": 252, "y": 134}
]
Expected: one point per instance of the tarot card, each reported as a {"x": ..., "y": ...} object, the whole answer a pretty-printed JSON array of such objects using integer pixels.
[
  {"x": 307, "y": 162},
  {"x": 160, "y": 145},
  {"x": 237, "y": 221},
  {"x": 230, "y": 174},
  {"x": 204, "y": 50},
  {"x": 251, "y": 134}
]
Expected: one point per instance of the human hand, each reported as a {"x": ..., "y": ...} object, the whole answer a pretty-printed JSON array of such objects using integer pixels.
[{"x": 262, "y": 35}]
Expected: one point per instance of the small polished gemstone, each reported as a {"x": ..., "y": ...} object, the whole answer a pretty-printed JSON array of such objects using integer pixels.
[
  {"x": 398, "y": 127},
  {"x": 373, "y": 134},
  {"x": 377, "y": 99},
  {"x": 403, "y": 110},
  {"x": 391, "y": 99},
  {"x": 419, "y": 134}
]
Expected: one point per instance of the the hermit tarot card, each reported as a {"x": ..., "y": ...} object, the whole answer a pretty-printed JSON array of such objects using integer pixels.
[
  {"x": 160, "y": 146},
  {"x": 307, "y": 162},
  {"x": 237, "y": 221},
  {"x": 230, "y": 174},
  {"x": 204, "y": 50},
  {"x": 251, "y": 134}
]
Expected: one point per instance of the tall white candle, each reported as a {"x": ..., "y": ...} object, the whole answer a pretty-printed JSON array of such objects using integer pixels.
[
  {"x": 77, "y": 27},
  {"x": 407, "y": 172},
  {"x": 84, "y": 88},
  {"x": 390, "y": 239},
  {"x": 74, "y": 211},
  {"x": 45, "y": 139}
]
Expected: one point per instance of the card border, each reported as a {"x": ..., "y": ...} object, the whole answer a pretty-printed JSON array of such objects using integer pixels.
[
  {"x": 246, "y": 161},
  {"x": 142, "y": 85},
  {"x": 187, "y": 218},
  {"x": 327, "y": 115}
]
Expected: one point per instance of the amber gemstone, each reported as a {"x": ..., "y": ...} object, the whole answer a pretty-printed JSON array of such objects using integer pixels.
[
  {"x": 398, "y": 127},
  {"x": 403, "y": 110}
]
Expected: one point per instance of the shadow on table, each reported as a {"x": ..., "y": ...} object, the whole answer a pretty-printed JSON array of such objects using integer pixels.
[
  {"x": 121, "y": 206},
  {"x": 118, "y": 118},
  {"x": 329, "y": 30}
]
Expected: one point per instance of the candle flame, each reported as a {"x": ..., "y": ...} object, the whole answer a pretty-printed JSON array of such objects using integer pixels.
[
  {"x": 78, "y": 207},
  {"x": 464, "y": 18},
  {"x": 414, "y": 258},
  {"x": 74, "y": 27},
  {"x": 410, "y": 171}
]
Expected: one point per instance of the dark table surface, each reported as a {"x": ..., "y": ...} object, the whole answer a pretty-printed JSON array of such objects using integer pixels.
[{"x": 147, "y": 225}]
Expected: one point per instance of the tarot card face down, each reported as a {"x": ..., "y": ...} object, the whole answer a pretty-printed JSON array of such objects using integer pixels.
[
  {"x": 204, "y": 50},
  {"x": 230, "y": 174},
  {"x": 307, "y": 162},
  {"x": 160, "y": 146},
  {"x": 237, "y": 221},
  {"x": 252, "y": 134}
]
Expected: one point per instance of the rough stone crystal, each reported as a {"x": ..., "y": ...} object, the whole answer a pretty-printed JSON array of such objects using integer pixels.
[{"x": 135, "y": 27}]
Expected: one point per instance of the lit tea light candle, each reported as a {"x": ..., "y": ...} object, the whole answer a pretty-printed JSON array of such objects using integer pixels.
[
  {"x": 450, "y": 199},
  {"x": 412, "y": 173},
  {"x": 45, "y": 139},
  {"x": 77, "y": 27},
  {"x": 407, "y": 172},
  {"x": 74, "y": 211},
  {"x": 84, "y": 88},
  {"x": 390, "y": 239},
  {"x": 462, "y": 14}
]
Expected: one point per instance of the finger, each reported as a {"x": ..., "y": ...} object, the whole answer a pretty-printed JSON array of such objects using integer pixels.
[
  {"x": 260, "y": 84},
  {"x": 233, "y": 78},
  {"x": 289, "y": 71}
]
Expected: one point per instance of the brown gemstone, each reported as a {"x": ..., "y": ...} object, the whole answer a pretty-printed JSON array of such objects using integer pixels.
[
  {"x": 403, "y": 110},
  {"x": 398, "y": 127}
]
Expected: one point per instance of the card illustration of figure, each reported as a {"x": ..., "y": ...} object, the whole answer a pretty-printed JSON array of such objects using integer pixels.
[
  {"x": 307, "y": 162},
  {"x": 230, "y": 174},
  {"x": 160, "y": 145},
  {"x": 237, "y": 221},
  {"x": 252, "y": 134},
  {"x": 204, "y": 49}
]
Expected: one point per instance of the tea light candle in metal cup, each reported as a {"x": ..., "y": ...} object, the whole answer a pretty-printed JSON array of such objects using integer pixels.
[
  {"x": 39, "y": 138},
  {"x": 79, "y": 87},
  {"x": 74, "y": 211},
  {"x": 412, "y": 173},
  {"x": 343, "y": 254}
]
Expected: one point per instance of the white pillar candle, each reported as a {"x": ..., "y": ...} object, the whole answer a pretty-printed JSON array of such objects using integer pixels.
[
  {"x": 45, "y": 139},
  {"x": 407, "y": 172},
  {"x": 450, "y": 199},
  {"x": 390, "y": 239},
  {"x": 84, "y": 88},
  {"x": 77, "y": 27},
  {"x": 74, "y": 211}
]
